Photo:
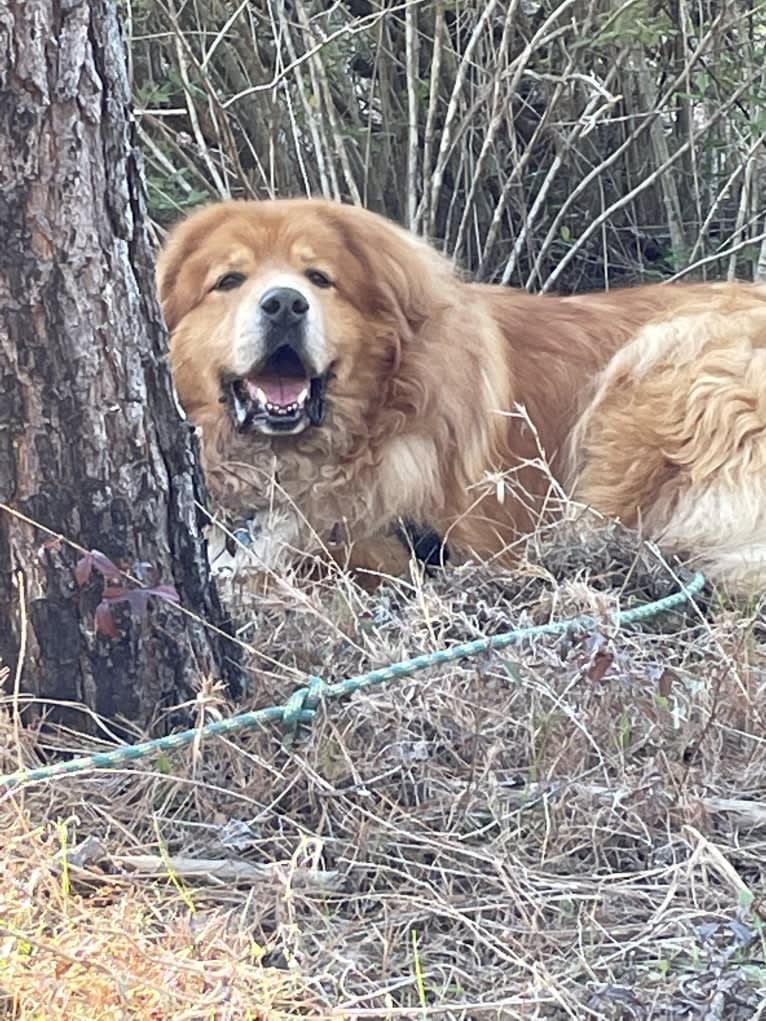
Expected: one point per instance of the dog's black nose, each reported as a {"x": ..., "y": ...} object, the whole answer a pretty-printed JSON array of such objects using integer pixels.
[{"x": 284, "y": 306}]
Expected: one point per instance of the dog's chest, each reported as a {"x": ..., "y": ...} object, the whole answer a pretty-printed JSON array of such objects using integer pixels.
[{"x": 258, "y": 478}]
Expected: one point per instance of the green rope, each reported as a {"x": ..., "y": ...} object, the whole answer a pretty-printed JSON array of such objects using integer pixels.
[{"x": 302, "y": 704}]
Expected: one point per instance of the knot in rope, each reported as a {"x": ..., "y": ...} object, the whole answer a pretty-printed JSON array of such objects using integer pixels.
[{"x": 301, "y": 708}]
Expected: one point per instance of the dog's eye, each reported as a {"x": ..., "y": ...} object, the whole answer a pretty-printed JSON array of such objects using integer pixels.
[
  {"x": 318, "y": 278},
  {"x": 229, "y": 281}
]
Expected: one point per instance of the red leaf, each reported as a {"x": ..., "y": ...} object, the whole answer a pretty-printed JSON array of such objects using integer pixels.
[
  {"x": 599, "y": 665},
  {"x": 105, "y": 621},
  {"x": 599, "y": 657},
  {"x": 105, "y": 566},
  {"x": 666, "y": 681},
  {"x": 138, "y": 598},
  {"x": 83, "y": 569}
]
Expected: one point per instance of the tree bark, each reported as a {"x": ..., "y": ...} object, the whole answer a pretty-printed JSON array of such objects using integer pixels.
[{"x": 93, "y": 445}]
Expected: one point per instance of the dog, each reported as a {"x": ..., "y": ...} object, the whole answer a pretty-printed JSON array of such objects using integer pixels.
[{"x": 344, "y": 377}]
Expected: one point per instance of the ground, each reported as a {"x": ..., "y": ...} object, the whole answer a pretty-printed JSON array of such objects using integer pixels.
[{"x": 572, "y": 828}]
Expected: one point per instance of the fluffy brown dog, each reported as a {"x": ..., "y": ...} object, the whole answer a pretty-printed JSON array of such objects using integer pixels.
[{"x": 344, "y": 377}]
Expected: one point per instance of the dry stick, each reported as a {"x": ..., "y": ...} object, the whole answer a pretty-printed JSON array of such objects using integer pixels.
[
  {"x": 760, "y": 270},
  {"x": 297, "y": 140},
  {"x": 587, "y": 121},
  {"x": 332, "y": 180},
  {"x": 618, "y": 152},
  {"x": 661, "y": 153},
  {"x": 520, "y": 1004},
  {"x": 222, "y": 188},
  {"x": 281, "y": 33},
  {"x": 24, "y": 626},
  {"x": 457, "y": 192},
  {"x": 739, "y": 224},
  {"x": 519, "y": 165},
  {"x": 215, "y": 105},
  {"x": 531, "y": 217},
  {"x": 245, "y": 129},
  {"x": 171, "y": 139},
  {"x": 650, "y": 179},
  {"x": 687, "y": 111},
  {"x": 378, "y": 50},
  {"x": 222, "y": 35},
  {"x": 368, "y": 21},
  {"x": 452, "y": 108},
  {"x": 412, "y": 50},
  {"x": 498, "y": 112},
  {"x": 160, "y": 159},
  {"x": 467, "y": 122},
  {"x": 223, "y": 136},
  {"x": 275, "y": 122},
  {"x": 424, "y": 207},
  {"x": 324, "y": 100},
  {"x": 715, "y": 256},
  {"x": 159, "y": 111},
  {"x": 226, "y": 871},
  {"x": 311, "y": 119},
  {"x": 722, "y": 194},
  {"x": 705, "y": 852},
  {"x": 388, "y": 114},
  {"x": 256, "y": 157},
  {"x": 604, "y": 241},
  {"x": 337, "y": 137}
]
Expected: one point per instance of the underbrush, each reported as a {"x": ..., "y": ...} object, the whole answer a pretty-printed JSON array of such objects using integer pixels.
[{"x": 571, "y": 828}]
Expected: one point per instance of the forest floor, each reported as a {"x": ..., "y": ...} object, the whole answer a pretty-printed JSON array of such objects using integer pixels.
[{"x": 572, "y": 828}]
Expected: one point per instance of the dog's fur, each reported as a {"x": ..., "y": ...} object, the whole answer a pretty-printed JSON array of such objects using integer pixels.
[{"x": 648, "y": 403}]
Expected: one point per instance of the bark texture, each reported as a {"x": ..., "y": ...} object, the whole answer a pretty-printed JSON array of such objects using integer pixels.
[{"x": 92, "y": 442}]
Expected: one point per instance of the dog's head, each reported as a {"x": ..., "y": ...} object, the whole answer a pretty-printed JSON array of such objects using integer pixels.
[{"x": 279, "y": 310}]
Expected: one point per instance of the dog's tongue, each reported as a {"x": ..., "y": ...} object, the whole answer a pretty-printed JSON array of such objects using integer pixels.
[{"x": 279, "y": 390}]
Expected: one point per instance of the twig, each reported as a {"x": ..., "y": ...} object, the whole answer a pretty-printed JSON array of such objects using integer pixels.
[
  {"x": 227, "y": 870},
  {"x": 411, "y": 64}
]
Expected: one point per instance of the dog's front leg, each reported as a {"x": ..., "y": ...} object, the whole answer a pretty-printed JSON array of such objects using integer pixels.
[{"x": 407, "y": 548}]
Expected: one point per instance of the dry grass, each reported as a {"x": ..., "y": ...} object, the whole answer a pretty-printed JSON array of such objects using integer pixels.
[
  {"x": 86, "y": 943},
  {"x": 571, "y": 829}
]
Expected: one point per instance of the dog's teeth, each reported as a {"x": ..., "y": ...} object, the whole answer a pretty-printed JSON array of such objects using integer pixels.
[
  {"x": 281, "y": 410},
  {"x": 261, "y": 395},
  {"x": 302, "y": 396}
]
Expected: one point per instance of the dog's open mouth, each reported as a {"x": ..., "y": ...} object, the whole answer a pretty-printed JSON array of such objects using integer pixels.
[{"x": 282, "y": 395}]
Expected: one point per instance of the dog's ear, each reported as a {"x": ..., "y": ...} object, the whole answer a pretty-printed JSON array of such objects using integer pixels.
[
  {"x": 180, "y": 273},
  {"x": 169, "y": 263},
  {"x": 406, "y": 280}
]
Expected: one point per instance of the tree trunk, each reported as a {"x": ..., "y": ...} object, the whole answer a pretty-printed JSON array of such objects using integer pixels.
[{"x": 92, "y": 443}]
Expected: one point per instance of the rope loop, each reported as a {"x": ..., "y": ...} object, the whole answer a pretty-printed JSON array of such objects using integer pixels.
[{"x": 301, "y": 708}]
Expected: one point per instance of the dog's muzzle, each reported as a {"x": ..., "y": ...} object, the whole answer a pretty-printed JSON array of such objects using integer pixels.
[{"x": 283, "y": 392}]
